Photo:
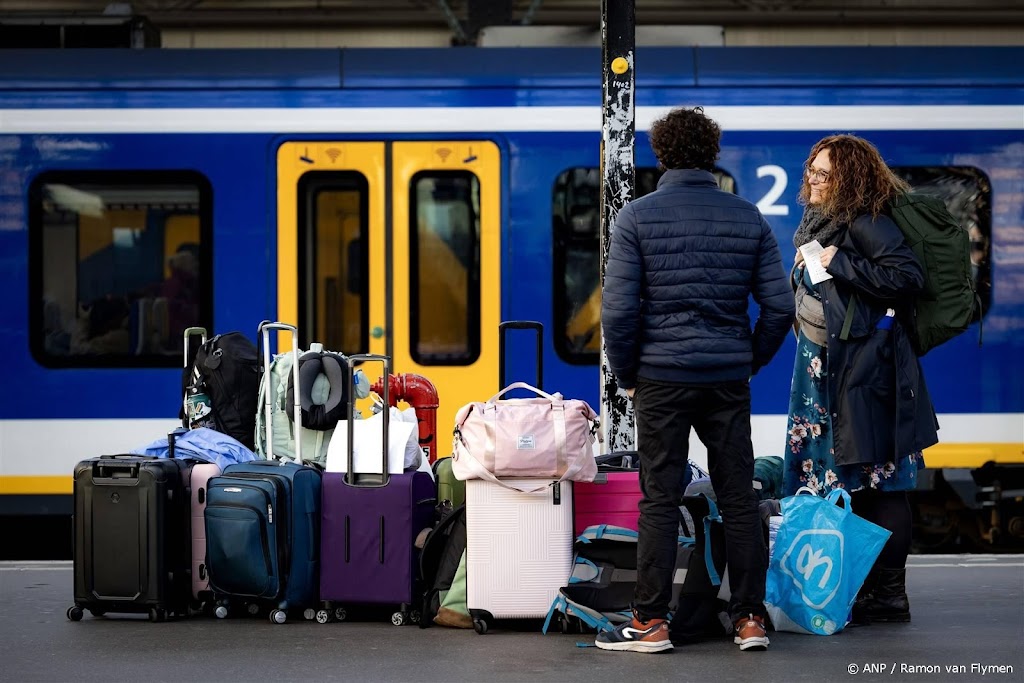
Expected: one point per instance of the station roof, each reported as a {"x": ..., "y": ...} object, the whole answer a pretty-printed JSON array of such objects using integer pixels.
[{"x": 440, "y": 13}]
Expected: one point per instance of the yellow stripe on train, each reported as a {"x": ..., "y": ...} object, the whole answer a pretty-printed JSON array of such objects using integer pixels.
[
  {"x": 972, "y": 455},
  {"x": 960, "y": 455},
  {"x": 36, "y": 485}
]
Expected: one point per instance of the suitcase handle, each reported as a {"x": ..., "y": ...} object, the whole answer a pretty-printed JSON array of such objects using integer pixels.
[
  {"x": 350, "y": 475},
  {"x": 263, "y": 337},
  {"x": 520, "y": 325},
  {"x": 189, "y": 333},
  {"x": 116, "y": 467}
]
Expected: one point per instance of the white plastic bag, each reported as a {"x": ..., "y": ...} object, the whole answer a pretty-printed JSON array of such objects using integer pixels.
[{"x": 403, "y": 444}]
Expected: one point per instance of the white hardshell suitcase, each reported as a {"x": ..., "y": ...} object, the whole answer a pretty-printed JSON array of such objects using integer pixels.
[{"x": 519, "y": 548}]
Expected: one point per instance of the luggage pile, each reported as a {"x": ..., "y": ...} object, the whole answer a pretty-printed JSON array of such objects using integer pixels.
[{"x": 317, "y": 511}]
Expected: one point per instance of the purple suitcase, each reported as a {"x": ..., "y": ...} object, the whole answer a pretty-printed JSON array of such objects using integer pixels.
[{"x": 368, "y": 533}]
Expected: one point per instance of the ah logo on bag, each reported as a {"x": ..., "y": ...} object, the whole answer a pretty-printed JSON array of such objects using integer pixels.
[{"x": 814, "y": 561}]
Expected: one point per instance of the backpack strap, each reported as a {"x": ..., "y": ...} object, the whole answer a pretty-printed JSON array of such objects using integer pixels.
[
  {"x": 712, "y": 516},
  {"x": 591, "y": 618},
  {"x": 584, "y": 561},
  {"x": 609, "y": 531},
  {"x": 848, "y": 322}
]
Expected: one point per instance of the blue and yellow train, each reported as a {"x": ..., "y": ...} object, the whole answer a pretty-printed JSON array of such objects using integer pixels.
[{"x": 406, "y": 201}]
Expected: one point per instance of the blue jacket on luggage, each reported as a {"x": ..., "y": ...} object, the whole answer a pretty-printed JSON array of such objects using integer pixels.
[{"x": 683, "y": 263}]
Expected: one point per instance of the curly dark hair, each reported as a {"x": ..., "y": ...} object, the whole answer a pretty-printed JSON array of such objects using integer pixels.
[
  {"x": 860, "y": 181},
  {"x": 686, "y": 138}
]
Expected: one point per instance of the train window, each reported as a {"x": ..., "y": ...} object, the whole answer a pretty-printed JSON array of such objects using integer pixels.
[
  {"x": 576, "y": 218},
  {"x": 444, "y": 260},
  {"x": 120, "y": 264},
  {"x": 967, "y": 193},
  {"x": 334, "y": 260}
]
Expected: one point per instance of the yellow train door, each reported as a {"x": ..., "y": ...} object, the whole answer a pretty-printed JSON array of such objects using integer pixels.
[{"x": 394, "y": 248}]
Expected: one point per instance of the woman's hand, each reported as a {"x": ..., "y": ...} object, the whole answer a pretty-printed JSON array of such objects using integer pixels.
[
  {"x": 799, "y": 258},
  {"x": 630, "y": 392},
  {"x": 826, "y": 256}
]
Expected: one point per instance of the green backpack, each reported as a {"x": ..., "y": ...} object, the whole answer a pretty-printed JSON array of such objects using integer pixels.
[
  {"x": 448, "y": 487},
  {"x": 768, "y": 471},
  {"x": 948, "y": 303}
]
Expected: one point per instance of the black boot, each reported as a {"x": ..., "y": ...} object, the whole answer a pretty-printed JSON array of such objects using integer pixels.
[
  {"x": 860, "y": 616},
  {"x": 888, "y": 601}
]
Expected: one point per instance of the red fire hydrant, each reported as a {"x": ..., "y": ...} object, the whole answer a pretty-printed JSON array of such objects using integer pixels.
[{"x": 420, "y": 393}]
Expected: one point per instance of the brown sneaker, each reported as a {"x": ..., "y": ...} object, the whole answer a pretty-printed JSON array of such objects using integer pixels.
[
  {"x": 637, "y": 636},
  {"x": 751, "y": 634}
]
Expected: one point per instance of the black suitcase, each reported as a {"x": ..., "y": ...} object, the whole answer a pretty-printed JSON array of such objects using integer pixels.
[{"x": 132, "y": 540}]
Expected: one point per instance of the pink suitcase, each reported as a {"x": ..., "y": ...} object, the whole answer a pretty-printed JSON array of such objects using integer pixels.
[
  {"x": 201, "y": 473},
  {"x": 197, "y": 476},
  {"x": 615, "y": 502}
]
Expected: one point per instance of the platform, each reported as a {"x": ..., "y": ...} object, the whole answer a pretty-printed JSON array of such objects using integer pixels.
[{"x": 966, "y": 609}]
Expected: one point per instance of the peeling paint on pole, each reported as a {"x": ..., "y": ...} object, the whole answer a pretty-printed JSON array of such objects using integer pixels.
[{"x": 618, "y": 172}]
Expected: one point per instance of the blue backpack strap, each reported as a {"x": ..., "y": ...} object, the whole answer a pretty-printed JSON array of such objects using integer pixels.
[
  {"x": 585, "y": 561},
  {"x": 561, "y": 604},
  {"x": 597, "y": 531},
  {"x": 558, "y": 604},
  {"x": 709, "y": 561}
]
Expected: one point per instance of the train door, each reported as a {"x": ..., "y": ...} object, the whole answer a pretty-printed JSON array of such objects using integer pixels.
[{"x": 394, "y": 248}]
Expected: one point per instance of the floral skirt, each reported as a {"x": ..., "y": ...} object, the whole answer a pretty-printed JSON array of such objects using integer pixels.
[{"x": 810, "y": 457}]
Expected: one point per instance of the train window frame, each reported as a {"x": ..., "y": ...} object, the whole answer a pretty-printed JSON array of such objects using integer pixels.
[
  {"x": 37, "y": 254},
  {"x": 981, "y": 208},
  {"x": 473, "y": 288},
  {"x": 309, "y": 186},
  {"x": 564, "y": 239}
]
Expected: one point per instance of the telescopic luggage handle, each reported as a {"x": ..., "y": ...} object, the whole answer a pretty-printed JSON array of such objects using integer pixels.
[
  {"x": 189, "y": 333},
  {"x": 350, "y": 475},
  {"x": 263, "y": 334},
  {"x": 520, "y": 325}
]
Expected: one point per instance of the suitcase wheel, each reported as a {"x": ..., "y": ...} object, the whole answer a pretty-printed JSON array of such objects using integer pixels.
[
  {"x": 75, "y": 613},
  {"x": 221, "y": 612},
  {"x": 309, "y": 614},
  {"x": 156, "y": 615},
  {"x": 278, "y": 616},
  {"x": 414, "y": 617},
  {"x": 322, "y": 616},
  {"x": 340, "y": 614},
  {"x": 97, "y": 612},
  {"x": 480, "y": 626},
  {"x": 398, "y": 618}
]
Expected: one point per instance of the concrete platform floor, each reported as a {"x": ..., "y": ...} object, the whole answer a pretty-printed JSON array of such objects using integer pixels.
[{"x": 967, "y": 612}]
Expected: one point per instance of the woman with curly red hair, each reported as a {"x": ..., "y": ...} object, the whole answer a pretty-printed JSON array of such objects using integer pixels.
[{"x": 860, "y": 413}]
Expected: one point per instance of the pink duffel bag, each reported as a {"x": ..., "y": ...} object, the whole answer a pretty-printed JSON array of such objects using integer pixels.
[{"x": 547, "y": 437}]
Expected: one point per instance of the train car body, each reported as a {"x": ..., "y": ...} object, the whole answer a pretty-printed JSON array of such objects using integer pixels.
[{"x": 406, "y": 201}]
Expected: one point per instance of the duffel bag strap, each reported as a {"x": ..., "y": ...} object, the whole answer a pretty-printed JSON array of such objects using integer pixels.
[
  {"x": 556, "y": 398},
  {"x": 463, "y": 454}
]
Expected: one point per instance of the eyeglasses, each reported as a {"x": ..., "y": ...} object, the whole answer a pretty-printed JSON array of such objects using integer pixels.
[{"x": 817, "y": 175}]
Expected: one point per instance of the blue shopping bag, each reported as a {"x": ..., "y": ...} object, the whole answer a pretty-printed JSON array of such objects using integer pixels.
[{"x": 823, "y": 553}]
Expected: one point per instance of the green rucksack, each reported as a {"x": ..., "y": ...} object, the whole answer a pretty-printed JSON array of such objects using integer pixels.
[
  {"x": 948, "y": 303},
  {"x": 768, "y": 470}
]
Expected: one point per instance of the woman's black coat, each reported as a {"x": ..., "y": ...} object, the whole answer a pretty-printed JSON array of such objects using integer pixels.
[{"x": 881, "y": 409}]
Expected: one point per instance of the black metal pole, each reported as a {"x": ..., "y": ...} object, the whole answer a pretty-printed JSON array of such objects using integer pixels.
[{"x": 618, "y": 173}]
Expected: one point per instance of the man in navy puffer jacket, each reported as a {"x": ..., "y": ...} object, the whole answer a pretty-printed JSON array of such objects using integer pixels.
[{"x": 683, "y": 264}]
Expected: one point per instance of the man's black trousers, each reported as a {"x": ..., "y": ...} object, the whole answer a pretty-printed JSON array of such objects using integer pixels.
[{"x": 721, "y": 416}]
